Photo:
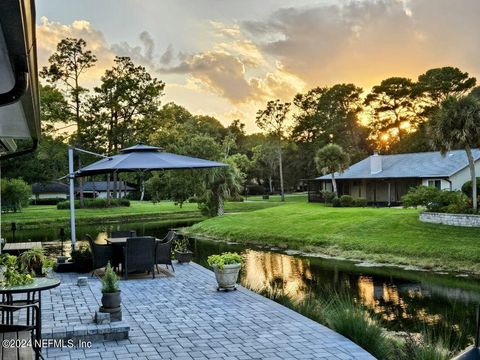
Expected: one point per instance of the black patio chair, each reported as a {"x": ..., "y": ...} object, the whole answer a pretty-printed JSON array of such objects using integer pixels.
[
  {"x": 21, "y": 332},
  {"x": 121, "y": 234},
  {"x": 163, "y": 253},
  {"x": 101, "y": 254},
  {"x": 139, "y": 255}
]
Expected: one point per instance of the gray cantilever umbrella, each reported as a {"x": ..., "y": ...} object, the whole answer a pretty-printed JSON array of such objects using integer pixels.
[
  {"x": 145, "y": 158},
  {"x": 136, "y": 158}
]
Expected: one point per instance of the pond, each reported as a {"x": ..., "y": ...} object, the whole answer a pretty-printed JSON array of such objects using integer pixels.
[{"x": 405, "y": 300}]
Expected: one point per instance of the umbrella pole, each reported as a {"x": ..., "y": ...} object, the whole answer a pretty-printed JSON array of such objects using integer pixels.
[{"x": 72, "y": 196}]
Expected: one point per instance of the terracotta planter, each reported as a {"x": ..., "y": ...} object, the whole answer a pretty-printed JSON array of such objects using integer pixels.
[
  {"x": 184, "y": 256},
  {"x": 227, "y": 277},
  {"x": 111, "y": 300}
]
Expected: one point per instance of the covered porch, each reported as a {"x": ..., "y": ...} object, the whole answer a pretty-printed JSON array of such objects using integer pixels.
[{"x": 378, "y": 192}]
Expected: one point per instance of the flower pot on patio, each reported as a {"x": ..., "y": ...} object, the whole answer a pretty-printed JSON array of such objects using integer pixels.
[
  {"x": 182, "y": 253},
  {"x": 183, "y": 256},
  {"x": 111, "y": 300},
  {"x": 226, "y": 268},
  {"x": 228, "y": 276}
]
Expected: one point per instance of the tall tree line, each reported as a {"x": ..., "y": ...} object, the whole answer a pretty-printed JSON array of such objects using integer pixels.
[{"x": 126, "y": 108}]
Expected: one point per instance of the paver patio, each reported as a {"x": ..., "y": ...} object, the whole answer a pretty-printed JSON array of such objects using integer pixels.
[{"x": 184, "y": 317}]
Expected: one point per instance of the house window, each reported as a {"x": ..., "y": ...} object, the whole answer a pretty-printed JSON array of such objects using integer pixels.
[{"x": 435, "y": 183}]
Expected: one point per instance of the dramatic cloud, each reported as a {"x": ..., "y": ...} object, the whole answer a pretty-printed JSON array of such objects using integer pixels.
[
  {"x": 49, "y": 34},
  {"x": 236, "y": 69},
  {"x": 366, "y": 41},
  {"x": 230, "y": 66}
]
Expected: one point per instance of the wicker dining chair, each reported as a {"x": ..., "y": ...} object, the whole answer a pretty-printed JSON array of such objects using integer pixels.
[
  {"x": 139, "y": 255},
  {"x": 163, "y": 253},
  {"x": 101, "y": 254}
]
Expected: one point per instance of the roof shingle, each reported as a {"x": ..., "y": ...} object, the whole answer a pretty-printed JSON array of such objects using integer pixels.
[{"x": 415, "y": 165}]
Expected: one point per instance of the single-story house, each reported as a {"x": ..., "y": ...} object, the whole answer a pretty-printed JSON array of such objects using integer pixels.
[
  {"x": 384, "y": 179},
  {"x": 98, "y": 189},
  {"x": 49, "y": 190}
]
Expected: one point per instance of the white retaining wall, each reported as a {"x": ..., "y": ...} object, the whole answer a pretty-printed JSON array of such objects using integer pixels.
[{"x": 451, "y": 219}]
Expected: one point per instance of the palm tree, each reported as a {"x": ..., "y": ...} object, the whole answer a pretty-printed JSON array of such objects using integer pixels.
[
  {"x": 224, "y": 182},
  {"x": 330, "y": 159},
  {"x": 457, "y": 125}
]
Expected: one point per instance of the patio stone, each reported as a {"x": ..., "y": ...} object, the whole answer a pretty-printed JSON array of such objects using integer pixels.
[{"x": 183, "y": 317}]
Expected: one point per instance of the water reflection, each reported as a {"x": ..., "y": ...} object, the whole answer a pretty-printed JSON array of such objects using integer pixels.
[{"x": 404, "y": 300}]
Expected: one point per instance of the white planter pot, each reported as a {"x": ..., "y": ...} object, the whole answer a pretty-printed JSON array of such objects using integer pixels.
[{"x": 227, "y": 277}]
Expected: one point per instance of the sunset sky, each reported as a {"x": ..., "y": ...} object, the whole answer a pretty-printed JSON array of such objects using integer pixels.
[{"x": 226, "y": 58}]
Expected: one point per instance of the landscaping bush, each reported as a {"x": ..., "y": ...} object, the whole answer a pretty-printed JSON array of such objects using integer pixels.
[
  {"x": 16, "y": 193},
  {"x": 336, "y": 202},
  {"x": 95, "y": 203},
  {"x": 437, "y": 200},
  {"x": 467, "y": 188},
  {"x": 327, "y": 196},
  {"x": 360, "y": 202},
  {"x": 346, "y": 201}
]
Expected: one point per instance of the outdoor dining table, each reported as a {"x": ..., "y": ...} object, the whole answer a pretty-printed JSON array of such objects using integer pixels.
[
  {"x": 122, "y": 241},
  {"x": 34, "y": 295}
]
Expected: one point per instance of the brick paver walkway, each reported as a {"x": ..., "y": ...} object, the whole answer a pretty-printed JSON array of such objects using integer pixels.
[{"x": 184, "y": 317}]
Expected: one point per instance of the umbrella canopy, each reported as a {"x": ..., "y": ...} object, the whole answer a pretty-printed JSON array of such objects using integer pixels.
[{"x": 142, "y": 158}]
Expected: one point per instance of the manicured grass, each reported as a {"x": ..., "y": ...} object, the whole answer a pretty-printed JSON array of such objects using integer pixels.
[
  {"x": 46, "y": 215},
  {"x": 381, "y": 235}
]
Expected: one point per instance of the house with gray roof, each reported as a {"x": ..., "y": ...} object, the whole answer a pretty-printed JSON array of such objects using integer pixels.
[
  {"x": 99, "y": 189},
  {"x": 384, "y": 179},
  {"x": 49, "y": 190}
]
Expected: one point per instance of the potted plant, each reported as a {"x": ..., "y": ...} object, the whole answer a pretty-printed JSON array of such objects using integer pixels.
[
  {"x": 110, "y": 291},
  {"x": 12, "y": 273},
  {"x": 226, "y": 268},
  {"x": 182, "y": 253},
  {"x": 32, "y": 260}
]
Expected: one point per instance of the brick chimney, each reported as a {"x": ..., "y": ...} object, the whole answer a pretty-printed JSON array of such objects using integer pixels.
[{"x": 375, "y": 163}]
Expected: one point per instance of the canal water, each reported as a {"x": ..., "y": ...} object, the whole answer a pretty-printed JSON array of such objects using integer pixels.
[{"x": 405, "y": 300}]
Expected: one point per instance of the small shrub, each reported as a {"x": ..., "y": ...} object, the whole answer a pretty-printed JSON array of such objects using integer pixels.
[
  {"x": 360, "y": 202},
  {"x": 227, "y": 258},
  {"x": 437, "y": 200},
  {"x": 327, "y": 196},
  {"x": 95, "y": 203},
  {"x": 419, "y": 196},
  {"x": 336, "y": 202},
  {"x": 109, "y": 280},
  {"x": 124, "y": 202},
  {"x": 82, "y": 257},
  {"x": 467, "y": 188},
  {"x": 346, "y": 201}
]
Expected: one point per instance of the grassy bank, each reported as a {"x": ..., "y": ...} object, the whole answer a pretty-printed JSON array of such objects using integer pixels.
[
  {"x": 48, "y": 215},
  {"x": 394, "y": 236},
  {"x": 342, "y": 313}
]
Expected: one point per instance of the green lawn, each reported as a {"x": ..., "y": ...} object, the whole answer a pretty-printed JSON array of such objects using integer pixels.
[
  {"x": 46, "y": 215},
  {"x": 382, "y": 235}
]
